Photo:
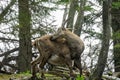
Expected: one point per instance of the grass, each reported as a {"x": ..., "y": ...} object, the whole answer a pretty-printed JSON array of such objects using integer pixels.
[
  {"x": 13, "y": 76},
  {"x": 80, "y": 77},
  {"x": 23, "y": 76},
  {"x": 26, "y": 75}
]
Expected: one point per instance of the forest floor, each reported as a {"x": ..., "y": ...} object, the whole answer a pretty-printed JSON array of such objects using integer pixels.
[
  {"x": 26, "y": 76},
  {"x": 56, "y": 74}
]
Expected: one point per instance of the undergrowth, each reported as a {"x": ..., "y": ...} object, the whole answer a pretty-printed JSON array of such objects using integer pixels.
[
  {"x": 28, "y": 74},
  {"x": 80, "y": 77}
]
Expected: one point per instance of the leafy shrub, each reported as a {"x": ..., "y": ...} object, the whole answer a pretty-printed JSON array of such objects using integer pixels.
[{"x": 80, "y": 77}]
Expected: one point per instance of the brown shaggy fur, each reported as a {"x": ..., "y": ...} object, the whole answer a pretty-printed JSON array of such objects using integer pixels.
[
  {"x": 74, "y": 42},
  {"x": 56, "y": 53}
]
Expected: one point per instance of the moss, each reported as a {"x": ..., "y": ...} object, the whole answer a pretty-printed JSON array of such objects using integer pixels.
[{"x": 22, "y": 76}]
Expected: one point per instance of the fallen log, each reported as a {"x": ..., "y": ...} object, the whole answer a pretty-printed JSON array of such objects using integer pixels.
[{"x": 110, "y": 77}]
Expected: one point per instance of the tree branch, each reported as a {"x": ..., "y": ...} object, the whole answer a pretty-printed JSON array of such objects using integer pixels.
[
  {"x": 3, "y": 39},
  {"x": 110, "y": 77},
  {"x": 9, "y": 59},
  {"x": 10, "y": 51},
  {"x": 11, "y": 65},
  {"x": 5, "y": 11}
]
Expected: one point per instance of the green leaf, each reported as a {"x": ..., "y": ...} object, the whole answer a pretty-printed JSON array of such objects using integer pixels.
[
  {"x": 88, "y": 8},
  {"x": 116, "y": 5},
  {"x": 116, "y": 36},
  {"x": 80, "y": 77},
  {"x": 64, "y": 1}
]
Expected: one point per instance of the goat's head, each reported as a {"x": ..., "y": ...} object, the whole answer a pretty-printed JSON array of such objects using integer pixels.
[{"x": 38, "y": 42}]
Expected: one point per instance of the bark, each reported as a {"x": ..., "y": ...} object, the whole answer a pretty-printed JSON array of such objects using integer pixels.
[
  {"x": 80, "y": 18},
  {"x": 71, "y": 14},
  {"x": 5, "y": 11},
  {"x": 116, "y": 38},
  {"x": 64, "y": 16},
  {"x": 102, "y": 58},
  {"x": 25, "y": 52}
]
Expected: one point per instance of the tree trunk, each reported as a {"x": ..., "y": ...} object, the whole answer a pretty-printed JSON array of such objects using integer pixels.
[
  {"x": 116, "y": 36},
  {"x": 25, "y": 52},
  {"x": 80, "y": 18},
  {"x": 65, "y": 16},
  {"x": 102, "y": 58},
  {"x": 71, "y": 13}
]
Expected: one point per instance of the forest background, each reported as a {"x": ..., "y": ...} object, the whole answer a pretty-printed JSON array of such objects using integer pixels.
[{"x": 97, "y": 22}]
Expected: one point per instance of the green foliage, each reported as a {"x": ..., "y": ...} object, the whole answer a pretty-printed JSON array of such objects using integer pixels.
[
  {"x": 117, "y": 46},
  {"x": 64, "y": 1},
  {"x": 116, "y": 35},
  {"x": 80, "y": 77},
  {"x": 116, "y": 5},
  {"x": 25, "y": 73},
  {"x": 88, "y": 8},
  {"x": 45, "y": 0}
]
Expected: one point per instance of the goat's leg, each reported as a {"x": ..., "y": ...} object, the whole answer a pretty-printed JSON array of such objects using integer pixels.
[
  {"x": 34, "y": 70},
  {"x": 69, "y": 64},
  {"x": 77, "y": 63},
  {"x": 44, "y": 61},
  {"x": 72, "y": 75},
  {"x": 34, "y": 63},
  {"x": 40, "y": 60}
]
